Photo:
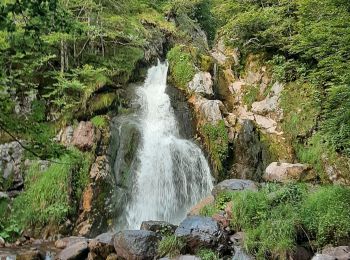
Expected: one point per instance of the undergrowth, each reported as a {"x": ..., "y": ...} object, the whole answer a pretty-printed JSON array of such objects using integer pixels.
[{"x": 170, "y": 246}]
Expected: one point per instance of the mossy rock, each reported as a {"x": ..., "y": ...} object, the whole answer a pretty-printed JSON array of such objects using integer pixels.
[{"x": 102, "y": 102}]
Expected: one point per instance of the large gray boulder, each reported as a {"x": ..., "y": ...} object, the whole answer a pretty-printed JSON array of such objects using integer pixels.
[
  {"x": 334, "y": 253},
  {"x": 234, "y": 185},
  {"x": 76, "y": 251},
  {"x": 288, "y": 172},
  {"x": 202, "y": 84},
  {"x": 136, "y": 244},
  {"x": 200, "y": 232}
]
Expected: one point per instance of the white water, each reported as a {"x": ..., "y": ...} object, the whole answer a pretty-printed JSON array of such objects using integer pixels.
[{"x": 173, "y": 174}]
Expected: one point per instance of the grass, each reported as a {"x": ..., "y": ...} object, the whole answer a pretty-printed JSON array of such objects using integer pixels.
[
  {"x": 181, "y": 64},
  {"x": 250, "y": 95},
  {"x": 170, "y": 246},
  {"x": 207, "y": 254},
  {"x": 51, "y": 196},
  {"x": 100, "y": 121},
  {"x": 216, "y": 139}
]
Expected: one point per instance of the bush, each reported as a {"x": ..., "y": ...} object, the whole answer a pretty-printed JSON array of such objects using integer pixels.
[
  {"x": 326, "y": 214},
  {"x": 170, "y": 246}
]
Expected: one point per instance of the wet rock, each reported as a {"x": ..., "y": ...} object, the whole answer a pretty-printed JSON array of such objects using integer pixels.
[
  {"x": 202, "y": 84},
  {"x": 160, "y": 227},
  {"x": 200, "y": 232},
  {"x": 68, "y": 241},
  {"x": 240, "y": 254},
  {"x": 196, "y": 209},
  {"x": 102, "y": 245},
  {"x": 136, "y": 244},
  {"x": 32, "y": 254},
  {"x": 334, "y": 253},
  {"x": 75, "y": 251},
  {"x": 287, "y": 172},
  {"x": 234, "y": 185},
  {"x": 84, "y": 136}
]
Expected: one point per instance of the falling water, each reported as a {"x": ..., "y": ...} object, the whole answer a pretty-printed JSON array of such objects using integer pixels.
[{"x": 173, "y": 174}]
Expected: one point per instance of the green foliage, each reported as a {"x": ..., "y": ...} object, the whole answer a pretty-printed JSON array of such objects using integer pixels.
[
  {"x": 51, "y": 196},
  {"x": 250, "y": 95},
  {"x": 207, "y": 254},
  {"x": 220, "y": 204},
  {"x": 181, "y": 65},
  {"x": 326, "y": 214},
  {"x": 170, "y": 246},
  {"x": 216, "y": 139},
  {"x": 100, "y": 122}
]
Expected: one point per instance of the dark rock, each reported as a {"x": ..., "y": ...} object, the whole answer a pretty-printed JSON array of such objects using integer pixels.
[
  {"x": 102, "y": 245},
  {"x": 68, "y": 241},
  {"x": 234, "y": 185},
  {"x": 136, "y": 244},
  {"x": 76, "y": 251},
  {"x": 200, "y": 232},
  {"x": 300, "y": 253},
  {"x": 160, "y": 227}
]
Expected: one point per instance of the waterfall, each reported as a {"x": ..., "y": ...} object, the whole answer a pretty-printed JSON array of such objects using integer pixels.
[{"x": 172, "y": 173}]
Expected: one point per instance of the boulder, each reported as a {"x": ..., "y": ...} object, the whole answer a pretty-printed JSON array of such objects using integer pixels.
[
  {"x": 84, "y": 136},
  {"x": 334, "y": 253},
  {"x": 287, "y": 172},
  {"x": 160, "y": 227},
  {"x": 196, "y": 209},
  {"x": 202, "y": 84},
  {"x": 68, "y": 241},
  {"x": 200, "y": 232},
  {"x": 270, "y": 103},
  {"x": 234, "y": 185},
  {"x": 241, "y": 254},
  {"x": 75, "y": 251},
  {"x": 208, "y": 111},
  {"x": 102, "y": 246},
  {"x": 136, "y": 244}
]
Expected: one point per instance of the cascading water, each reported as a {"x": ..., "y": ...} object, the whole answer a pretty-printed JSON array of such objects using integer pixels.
[{"x": 172, "y": 173}]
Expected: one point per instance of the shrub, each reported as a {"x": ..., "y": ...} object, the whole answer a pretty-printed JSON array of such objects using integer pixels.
[
  {"x": 170, "y": 246},
  {"x": 326, "y": 214}
]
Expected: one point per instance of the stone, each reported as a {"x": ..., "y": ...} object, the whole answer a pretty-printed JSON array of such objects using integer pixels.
[
  {"x": 334, "y": 253},
  {"x": 200, "y": 232},
  {"x": 84, "y": 136},
  {"x": 160, "y": 227},
  {"x": 112, "y": 257},
  {"x": 202, "y": 84},
  {"x": 32, "y": 254},
  {"x": 2, "y": 242},
  {"x": 223, "y": 221},
  {"x": 234, "y": 185},
  {"x": 136, "y": 244},
  {"x": 102, "y": 245},
  {"x": 68, "y": 241},
  {"x": 237, "y": 238},
  {"x": 75, "y": 251},
  {"x": 65, "y": 136},
  {"x": 300, "y": 253},
  {"x": 196, "y": 209},
  {"x": 240, "y": 254},
  {"x": 287, "y": 172},
  {"x": 208, "y": 111},
  {"x": 270, "y": 103}
]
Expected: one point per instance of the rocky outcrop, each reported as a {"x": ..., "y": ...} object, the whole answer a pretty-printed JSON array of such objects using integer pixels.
[
  {"x": 136, "y": 244},
  {"x": 85, "y": 136},
  {"x": 202, "y": 84},
  {"x": 207, "y": 111},
  {"x": 334, "y": 253},
  {"x": 234, "y": 185},
  {"x": 287, "y": 172},
  {"x": 201, "y": 232}
]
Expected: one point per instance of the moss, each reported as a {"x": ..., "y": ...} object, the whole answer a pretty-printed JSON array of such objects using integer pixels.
[
  {"x": 101, "y": 102},
  {"x": 205, "y": 62},
  {"x": 181, "y": 65},
  {"x": 279, "y": 149},
  {"x": 216, "y": 140},
  {"x": 100, "y": 121},
  {"x": 208, "y": 254}
]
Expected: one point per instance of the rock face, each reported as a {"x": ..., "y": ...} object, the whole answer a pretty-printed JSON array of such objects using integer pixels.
[
  {"x": 334, "y": 253},
  {"x": 200, "y": 232},
  {"x": 84, "y": 136},
  {"x": 160, "y": 227},
  {"x": 76, "y": 251},
  {"x": 287, "y": 172},
  {"x": 208, "y": 111},
  {"x": 10, "y": 166},
  {"x": 270, "y": 103},
  {"x": 234, "y": 185},
  {"x": 202, "y": 84},
  {"x": 136, "y": 244}
]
